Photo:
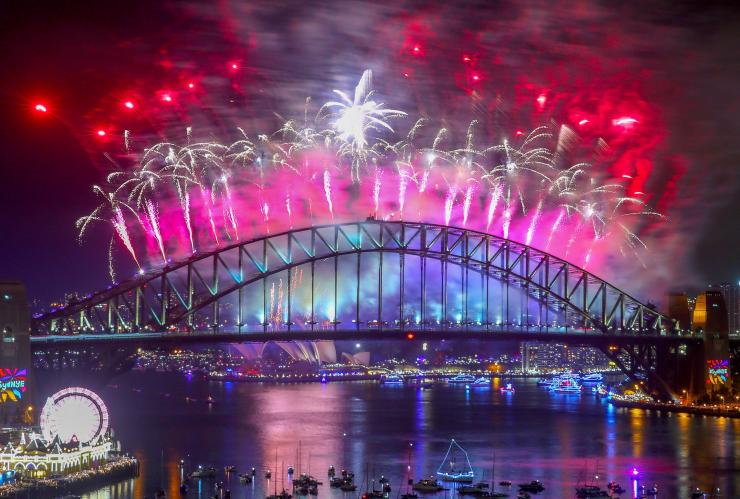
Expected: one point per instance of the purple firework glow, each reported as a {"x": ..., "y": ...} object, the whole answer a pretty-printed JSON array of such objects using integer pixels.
[{"x": 347, "y": 160}]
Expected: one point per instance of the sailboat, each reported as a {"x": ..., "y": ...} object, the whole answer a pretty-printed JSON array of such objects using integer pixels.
[{"x": 449, "y": 470}]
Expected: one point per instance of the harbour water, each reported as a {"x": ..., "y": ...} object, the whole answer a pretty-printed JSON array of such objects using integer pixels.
[{"x": 374, "y": 430}]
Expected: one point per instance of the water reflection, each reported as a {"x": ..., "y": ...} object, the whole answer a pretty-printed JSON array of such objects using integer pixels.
[{"x": 369, "y": 428}]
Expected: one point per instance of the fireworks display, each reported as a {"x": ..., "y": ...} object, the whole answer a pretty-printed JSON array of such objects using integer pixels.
[{"x": 355, "y": 158}]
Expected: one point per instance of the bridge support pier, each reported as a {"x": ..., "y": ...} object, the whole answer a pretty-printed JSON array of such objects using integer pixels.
[{"x": 664, "y": 370}]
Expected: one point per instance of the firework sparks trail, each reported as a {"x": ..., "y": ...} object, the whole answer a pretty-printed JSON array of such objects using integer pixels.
[
  {"x": 327, "y": 192},
  {"x": 209, "y": 213},
  {"x": 495, "y": 196},
  {"x": 466, "y": 204},
  {"x": 555, "y": 225},
  {"x": 449, "y": 203},
  {"x": 288, "y": 209},
  {"x": 186, "y": 218},
  {"x": 153, "y": 219},
  {"x": 533, "y": 223},
  {"x": 119, "y": 224},
  {"x": 402, "y": 183},
  {"x": 508, "y": 215},
  {"x": 376, "y": 192}
]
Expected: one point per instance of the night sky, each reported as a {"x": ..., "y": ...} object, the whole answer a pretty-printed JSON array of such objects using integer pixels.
[{"x": 83, "y": 59}]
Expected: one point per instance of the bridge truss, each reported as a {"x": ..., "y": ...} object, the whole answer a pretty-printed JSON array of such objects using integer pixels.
[{"x": 371, "y": 275}]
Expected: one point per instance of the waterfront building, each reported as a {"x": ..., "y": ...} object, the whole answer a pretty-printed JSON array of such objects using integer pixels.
[
  {"x": 36, "y": 457},
  {"x": 15, "y": 355}
]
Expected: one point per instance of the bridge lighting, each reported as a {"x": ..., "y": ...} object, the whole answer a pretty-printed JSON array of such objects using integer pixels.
[
  {"x": 128, "y": 104},
  {"x": 410, "y": 336},
  {"x": 357, "y": 345},
  {"x": 41, "y": 108}
]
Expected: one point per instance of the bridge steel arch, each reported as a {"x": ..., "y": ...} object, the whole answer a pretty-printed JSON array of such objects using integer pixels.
[{"x": 372, "y": 275}]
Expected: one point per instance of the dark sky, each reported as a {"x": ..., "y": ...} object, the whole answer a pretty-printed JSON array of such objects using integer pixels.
[{"x": 81, "y": 58}]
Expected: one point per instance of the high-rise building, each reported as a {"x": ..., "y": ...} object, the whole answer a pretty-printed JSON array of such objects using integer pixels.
[
  {"x": 15, "y": 354},
  {"x": 731, "y": 294}
]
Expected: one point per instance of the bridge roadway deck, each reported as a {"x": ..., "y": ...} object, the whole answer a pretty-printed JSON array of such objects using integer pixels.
[{"x": 180, "y": 338}]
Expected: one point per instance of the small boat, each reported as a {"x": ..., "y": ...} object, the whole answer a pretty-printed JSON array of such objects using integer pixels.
[
  {"x": 482, "y": 381},
  {"x": 313, "y": 490},
  {"x": 347, "y": 486},
  {"x": 505, "y": 483},
  {"x": 392, "y": 379},
  {"x": 245, "y": 478},
  {"x": 184, "y": 488},
  {"x": 230, "y": 468},
  {"x": 523, "y": 495},
  {"x": 592, "y": 378},
  {"x": 472, "y": 490},
  {"x": 427, "y": 383},
  {"x": 697, "y": 494},
  {"x": 282, "y": 495},
  {"x": 427, "y": 485},
  {"x": 268, "y": 474},
  {"x": 508, "y": 388},
  {"x": 204, "y": 472},
  {"x": 462, "y": 378},
  {"x": 290, "y": 470},
  {"x": 566, "y": 384},
  {"x": 591, "y": 491},
  {"x": 544, "y": 382},
  {"x": 332, "y": 471},
  {"x": 615, "y": 488},
  {"x": 409, "y": 495},
  {"x": 449, "y": 471},
  {"x": 652, "y": 491},
  {"x": 533, "y": 486}
]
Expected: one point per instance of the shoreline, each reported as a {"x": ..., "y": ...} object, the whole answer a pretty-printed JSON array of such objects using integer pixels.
[
  {"x": 699, "y": 411},
  {"x": 76, "y": 483}
]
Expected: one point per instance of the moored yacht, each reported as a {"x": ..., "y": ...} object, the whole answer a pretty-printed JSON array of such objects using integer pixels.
[
  {"x": 592, "y": 378},
  {"x": 392, "y": 379},
  {"x": 462, "y": 378}
]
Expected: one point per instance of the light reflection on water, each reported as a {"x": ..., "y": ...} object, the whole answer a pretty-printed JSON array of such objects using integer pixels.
[{"x": 562, "y": 440}]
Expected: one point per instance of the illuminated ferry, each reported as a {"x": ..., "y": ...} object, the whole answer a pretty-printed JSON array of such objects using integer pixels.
[
  {"x": 462, "y": 378},
  {"x": 592, "y": 378},
  {"x": 392, "y": 379},
  {"x": 567, "y": 383}
]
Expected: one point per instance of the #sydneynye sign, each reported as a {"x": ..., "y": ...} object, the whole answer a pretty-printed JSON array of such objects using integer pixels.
[
  {"x": 12, "y": 384},
  {"x": 718, "y": 371}
]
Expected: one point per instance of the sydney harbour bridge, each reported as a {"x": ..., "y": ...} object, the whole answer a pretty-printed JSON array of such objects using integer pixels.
[{"x": 378, "y": 280}]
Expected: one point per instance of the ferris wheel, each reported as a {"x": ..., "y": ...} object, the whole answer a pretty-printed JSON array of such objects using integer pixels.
[{"x": 74, "y": 413}]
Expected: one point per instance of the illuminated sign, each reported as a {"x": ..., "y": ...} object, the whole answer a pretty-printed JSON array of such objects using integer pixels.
[
  {"x": 718, "y": 371},
  {"x": 12, "y": 384}
]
